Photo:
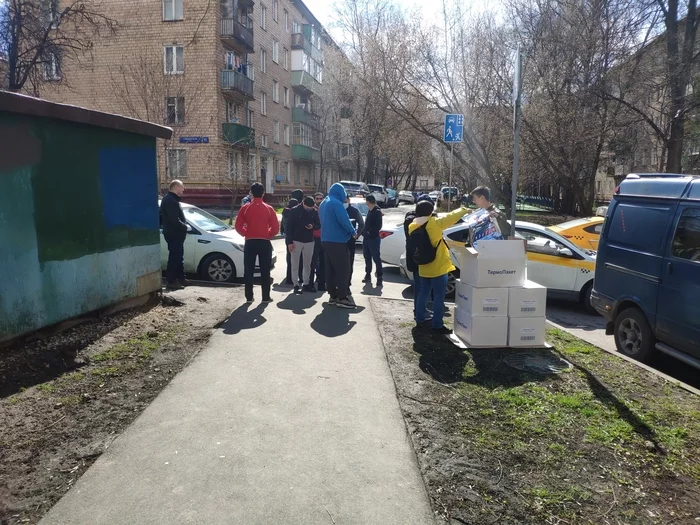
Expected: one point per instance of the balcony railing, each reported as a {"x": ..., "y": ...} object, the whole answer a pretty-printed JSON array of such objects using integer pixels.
[
  {"x": 232, "y": 80},
  {"x": 304, "y": 80},
  {"x": 233, "y": 30},
  {"x": 301, "y": 152},
  {"x": 300, "y": 114},
  {"x": 300, "y": 41},
  {"x": 238, "y": 134}
]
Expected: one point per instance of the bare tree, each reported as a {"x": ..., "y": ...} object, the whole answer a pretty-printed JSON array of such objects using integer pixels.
[{"x": 38, "y": 35}]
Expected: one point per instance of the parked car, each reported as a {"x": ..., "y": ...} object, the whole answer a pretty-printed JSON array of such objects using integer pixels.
[
  {"x": 552, "y": 261},
  {"x": 380, "y": 194},
  {"x": 393, "y": 198},
  {"x": 355, "y": 189},
  {"x": 647, "y": 280},
  {"x": 435, "y": 196},
  {"x": 407, "y": 197},
  {"x": 213, "y": 249},
  {"x": 584, "y": 233},
  {"x": 452, "y": 193}
]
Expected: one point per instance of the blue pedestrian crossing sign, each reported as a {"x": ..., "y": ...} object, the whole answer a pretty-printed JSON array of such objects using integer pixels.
[{"x": 454, "y": 125}]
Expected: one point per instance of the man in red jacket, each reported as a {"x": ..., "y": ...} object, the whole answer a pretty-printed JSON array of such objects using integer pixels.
[{"x": 258, "y": 223}]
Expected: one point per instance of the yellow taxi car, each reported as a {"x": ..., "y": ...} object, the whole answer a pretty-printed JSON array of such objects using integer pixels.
[{"x": 584, "y": 233}]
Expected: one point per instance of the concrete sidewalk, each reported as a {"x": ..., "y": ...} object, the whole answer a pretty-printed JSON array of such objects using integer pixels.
[{"x": 288, "y": 416}]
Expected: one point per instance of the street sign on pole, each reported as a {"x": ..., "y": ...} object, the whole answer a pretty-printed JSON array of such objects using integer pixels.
[{"x": 454, "y": 127}]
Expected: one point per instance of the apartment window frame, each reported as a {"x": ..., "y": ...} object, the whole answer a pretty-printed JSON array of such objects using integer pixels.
[
  {"x": 263, "y": 17},
  {"x": 175, "y": 15},
  {"x": 50, "y": 14},
  {"x": 263, "y": 103},
  {"x": 287, "y": 135},
  {"x": 52, "y": 67},
  {"x": 250, "y": 117},
  {"x": 275, "y": 10},
  {"x": 286, "y": 59},
  {"x": 296, "y": 27},
  {"x": 233, "y": 112},
  {"x": 252, "y": 166},
  {"x": 275, "y": 92},
  {"x": 286, "y": 21},
  {"x": 276, "y": 51},
  {"x": 177, "y": 156},
  {"x": 263, "y": 60},
  {"x": 263, "y": 141},
  {"x": 176, "y": 115},
  {"x": 286, "y": 96},
  {"x": 174, "y": 59},
  {"x": 276, "y": 131},
  {"x": 234, "y": 164}
]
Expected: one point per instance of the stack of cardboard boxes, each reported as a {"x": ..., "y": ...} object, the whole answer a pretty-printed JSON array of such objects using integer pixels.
[{"x": 496, "y": 306}]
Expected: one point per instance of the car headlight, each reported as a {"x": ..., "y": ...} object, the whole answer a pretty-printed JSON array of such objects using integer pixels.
[{"x": 237, "y": 246}]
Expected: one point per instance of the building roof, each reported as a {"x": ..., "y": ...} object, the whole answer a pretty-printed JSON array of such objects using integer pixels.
[{"x": 26, "y": 105}]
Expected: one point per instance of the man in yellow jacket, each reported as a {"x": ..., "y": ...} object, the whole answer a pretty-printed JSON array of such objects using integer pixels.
[{"x": 434, "y": 274}]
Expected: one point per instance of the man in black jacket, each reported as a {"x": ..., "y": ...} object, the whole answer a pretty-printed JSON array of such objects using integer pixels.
[
  {"x": 174, "y": 231},
  {"x": 301, "y": 223},
  {"x": 359, "y": 223},
  {"x": 371, "y": 241},
  {"x": 283, "y": 230}
]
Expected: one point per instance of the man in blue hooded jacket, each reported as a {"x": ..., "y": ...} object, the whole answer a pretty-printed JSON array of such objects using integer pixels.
[{"x": 336, "y": 231}]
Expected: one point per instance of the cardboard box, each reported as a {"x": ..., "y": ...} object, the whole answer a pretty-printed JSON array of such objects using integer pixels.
[
  {"x": 525, "y": 332},
  {"x": 482, "y": 302},
  {"x": 530, "y": 300},
  {"x": 482, "y": 332},
  {"x": 497, "y": 264}
]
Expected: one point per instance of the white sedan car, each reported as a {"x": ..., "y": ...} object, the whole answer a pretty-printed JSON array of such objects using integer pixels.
[
  {"x": 552, "y": 261},
  {"x": 406, "y": 197},
  {"x": 213, "y": 249}
]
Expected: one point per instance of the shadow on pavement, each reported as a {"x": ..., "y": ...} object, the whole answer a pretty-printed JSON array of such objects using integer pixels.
[
  {"x": 371, "y": 290},
  {"x": 298, "y": 304},
  {"x": 334, "y": 321},
  {"x": 245, "y": 317}
]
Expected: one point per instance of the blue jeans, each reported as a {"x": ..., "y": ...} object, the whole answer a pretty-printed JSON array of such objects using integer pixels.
[
  {"x": 370, "y": 249},
  {"x": 437, "y": 285}
]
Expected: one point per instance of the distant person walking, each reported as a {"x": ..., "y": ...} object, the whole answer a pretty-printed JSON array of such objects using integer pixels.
[
  {"x": 427, "y": 245},
  {"x": 318, "y": 273},
  {"x": 371, "y": 241},
  {"x": 482, "y": 198},
  {"x": 258, "y": 223},
  {"x": 174, "y": 231},
  {"x": 303, "y": 221},
  {"x": 336, "y": 231},
  {"x": 358, "y": 222}
]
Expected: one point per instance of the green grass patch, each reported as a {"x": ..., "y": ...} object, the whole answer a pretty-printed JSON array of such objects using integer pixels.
[{"x": 141, "y": 347}]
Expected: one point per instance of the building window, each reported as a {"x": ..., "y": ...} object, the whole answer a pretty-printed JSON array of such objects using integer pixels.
[
  {"x": 286, "y": 97},
  {"x": 275, "y": 51},
  {"x": 249, "y": 115},
  {"x": 287, "y": 171},
  {"x": 286, "y": 21},
  {"x": 263, "y": 17},
  {"x": 263, "y": 103},
  {"x": 276, "y": 132},
  {"x": 275, "y": 9},
  {"x": 176, "y": 162},
  {"x": 275, "y": 92},
  {"x": 49, "y": 13},
  {"x": 52, "y": 67},
  {"x": 303, "y": 134},
  {"x": 286, "y": 134},
  {"x": 234, "y": 164},
  {"x": 278, "y": 169},
  {"x": 286, "y": 59},
  {"x": 263, "y": 60},
  {"x": 172, "y": 10},
  {"x": 263, "y": 141},
  {"x": 232, "y": 112},
  {"x": 175, "y": 110},
  {"x": 252, "y": 167},
  {"x": 296, "y": 28},
  {"x": 174, "y": 60}
]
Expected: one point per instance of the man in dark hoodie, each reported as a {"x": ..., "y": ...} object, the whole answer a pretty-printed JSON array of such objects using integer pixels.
[
  {"x": 336, "y": 231},
  {"x": 283, "y": 230},
  {"x": 358, "y": 223},
  {"x": 303, "y": 220},
  {"x": 174, "y": 231}
]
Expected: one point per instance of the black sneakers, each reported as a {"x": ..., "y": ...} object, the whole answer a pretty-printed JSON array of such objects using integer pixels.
[
  {"x": 441, "y": 331},
  {"x": 297, "y": 290},
  {"x": 367, "y": 279},
  {"x": 309, "y": 288},
  {"x": 346, "y": 303}
]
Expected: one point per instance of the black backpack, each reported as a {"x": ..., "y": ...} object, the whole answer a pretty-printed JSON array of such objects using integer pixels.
[{"x": 419, "y": 249}]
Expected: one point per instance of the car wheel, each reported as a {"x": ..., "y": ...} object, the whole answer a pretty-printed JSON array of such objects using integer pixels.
[
  {"x": 218, "y": 268},
  {"x": 586, "y": 299},
  {"x": 633, "y": 335},
  {"x": 452, "y": 284}
]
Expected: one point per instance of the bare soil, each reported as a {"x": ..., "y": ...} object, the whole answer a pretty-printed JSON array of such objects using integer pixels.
[
  {"x": 58, "y": 413},
  {"x": 604, "y": 442}
]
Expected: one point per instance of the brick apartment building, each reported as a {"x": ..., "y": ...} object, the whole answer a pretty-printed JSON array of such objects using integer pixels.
[{"x": 236, "y": 80}]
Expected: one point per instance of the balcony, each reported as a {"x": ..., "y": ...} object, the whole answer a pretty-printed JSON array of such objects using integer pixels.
[
  {"x": 306, "y": 153},
  {"x": 301, "y": 41},
  {"x": 238, "y": 84},
  {"x": 300, "y": 114},
  {"x": 305, "y": 82},
  {"x": 238, "y": 134},
  {"x": 237, "y": 35}
]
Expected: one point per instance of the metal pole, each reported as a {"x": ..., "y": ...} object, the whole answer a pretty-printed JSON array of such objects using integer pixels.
[
  {"x": 449, "y": 189},
  {"x": 516, "y": 136}
]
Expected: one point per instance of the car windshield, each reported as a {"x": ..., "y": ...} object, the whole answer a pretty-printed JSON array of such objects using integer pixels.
[
  {"x": 204, "y": 221},
  {"x": 352, "y": 185},
  {"x": 375, "y": 187}
]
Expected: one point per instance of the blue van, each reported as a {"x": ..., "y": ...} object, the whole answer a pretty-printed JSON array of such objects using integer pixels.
[{"x": 647, "y": 278}]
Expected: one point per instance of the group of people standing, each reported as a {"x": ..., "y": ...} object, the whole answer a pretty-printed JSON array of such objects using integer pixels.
[{"x": 321, "y": 235}]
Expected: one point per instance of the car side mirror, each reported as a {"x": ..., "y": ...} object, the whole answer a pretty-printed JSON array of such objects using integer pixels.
[
  {"x": 190, "y": 229},
  {"x": 566, "y": 252}
]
